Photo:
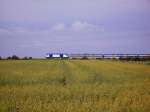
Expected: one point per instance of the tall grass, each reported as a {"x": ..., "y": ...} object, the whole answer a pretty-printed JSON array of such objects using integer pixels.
[{"x": 74, "y": 86}]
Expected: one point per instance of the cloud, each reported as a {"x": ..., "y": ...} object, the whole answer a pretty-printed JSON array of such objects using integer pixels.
[
  {"x": 76, "y": 26},
  {"x": 84, "y": 26},
  {"x": 59, "y": 27},
  {"x": 15, "y": 29}
]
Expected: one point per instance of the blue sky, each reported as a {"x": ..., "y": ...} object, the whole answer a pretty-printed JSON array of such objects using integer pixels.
[{"x": 35, "y": 27}]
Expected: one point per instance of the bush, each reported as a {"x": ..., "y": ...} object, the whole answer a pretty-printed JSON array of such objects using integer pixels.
[
  {"x": 27, "y": 58},
  {"x": 84, "y": 58},
  {"x": 135, "y": 58}
]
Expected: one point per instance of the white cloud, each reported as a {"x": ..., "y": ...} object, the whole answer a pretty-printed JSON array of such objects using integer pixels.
[
  {"x": 84, "y": 26},
  {"x": 77, "y": 26},
  {"x": 59, "y": 27},
  {"x": 16, "y": 29}
]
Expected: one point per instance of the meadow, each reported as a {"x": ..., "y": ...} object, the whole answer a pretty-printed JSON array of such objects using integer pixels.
[{"x": 74, "y": 86}]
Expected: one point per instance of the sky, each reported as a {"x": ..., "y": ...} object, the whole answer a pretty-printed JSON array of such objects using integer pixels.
[{"x": 36, "y": 27}]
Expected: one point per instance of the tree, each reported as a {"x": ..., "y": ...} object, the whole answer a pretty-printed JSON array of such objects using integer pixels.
[
  {"x": 25, "y": 58},
  {"x": 8, "y": 57},
  {"x": 30, "y": 58},
  {"x": 0, "y": 58},
  {"x": 14, "y": 57},
  {"x": 84, "y": 58}
]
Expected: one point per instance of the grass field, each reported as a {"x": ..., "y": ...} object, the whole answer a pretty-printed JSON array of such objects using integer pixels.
[{"x": 74, "y": 86}]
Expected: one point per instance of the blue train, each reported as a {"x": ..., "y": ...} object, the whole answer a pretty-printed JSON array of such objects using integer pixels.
[
  {"x": 131, "y": 57},
  {"x": 57, "y": 55}
]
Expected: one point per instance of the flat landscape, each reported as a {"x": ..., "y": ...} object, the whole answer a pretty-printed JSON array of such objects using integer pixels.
[{"x": 74, "y": 86}]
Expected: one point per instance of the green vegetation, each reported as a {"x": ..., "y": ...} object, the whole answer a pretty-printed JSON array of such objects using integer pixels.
[{"x": 74, "y": 86}]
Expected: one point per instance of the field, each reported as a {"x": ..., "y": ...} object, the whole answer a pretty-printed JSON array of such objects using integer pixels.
[{"x": 74, "y": 86}]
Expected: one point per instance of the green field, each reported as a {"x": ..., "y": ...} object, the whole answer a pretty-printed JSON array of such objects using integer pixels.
[{"x": 74, "y": 86}]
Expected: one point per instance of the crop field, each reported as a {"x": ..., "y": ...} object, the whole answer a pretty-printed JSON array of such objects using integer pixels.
[{"x": 74, "y": 86}]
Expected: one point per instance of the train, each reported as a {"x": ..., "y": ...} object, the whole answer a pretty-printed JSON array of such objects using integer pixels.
[{"x": 135, "y": 57}]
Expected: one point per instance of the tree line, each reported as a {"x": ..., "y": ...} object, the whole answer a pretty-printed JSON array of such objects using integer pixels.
[{"x": 15, "y": 57}]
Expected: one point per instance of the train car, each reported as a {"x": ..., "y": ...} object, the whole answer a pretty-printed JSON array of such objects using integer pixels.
[{"x": 57, "y": 56}]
